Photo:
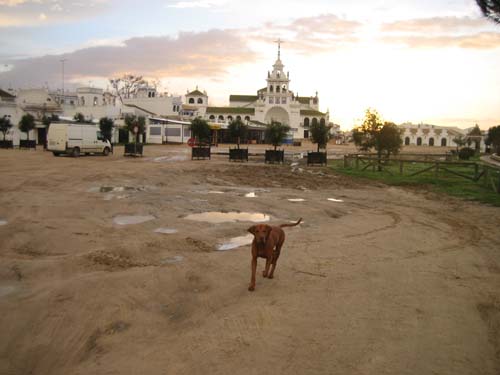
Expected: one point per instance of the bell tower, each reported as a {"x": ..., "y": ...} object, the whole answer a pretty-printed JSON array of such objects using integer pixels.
[{"x": 278, "y": 82}]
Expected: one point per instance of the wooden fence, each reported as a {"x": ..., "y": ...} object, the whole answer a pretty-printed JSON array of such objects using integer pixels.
[{"x": 478, "y": 172}]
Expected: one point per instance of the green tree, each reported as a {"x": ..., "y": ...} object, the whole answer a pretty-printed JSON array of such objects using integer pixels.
[
  {"x": 460, "y": 141},
  {"x": 384, "y": 137},
  {"x": 5, "y": 126},
  {"x": 494, "y": 138},
  {"x": 132, "y": 121},
  {"x": 106, "y": 126},
  {"x": 79, "y": 117},
  {"x": 238, "y": 130},
  {"x": 320, "y": 134},
  {"x": 200, "y": 131},
  {"x": 27, "y": 124},
  {"x": 276, "y": 133},
  {"x": 475, "y": 135},
  {"x": 490, "y": 8}
]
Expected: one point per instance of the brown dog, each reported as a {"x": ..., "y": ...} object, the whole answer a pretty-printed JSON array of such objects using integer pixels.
[{"x": 267, "y": 244}]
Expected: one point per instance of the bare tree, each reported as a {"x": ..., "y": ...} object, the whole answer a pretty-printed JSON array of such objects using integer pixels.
[{"x": 125, "y": 86}]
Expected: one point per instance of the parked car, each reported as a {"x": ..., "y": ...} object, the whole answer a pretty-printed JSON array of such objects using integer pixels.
[{"x": 77, "y": 139}]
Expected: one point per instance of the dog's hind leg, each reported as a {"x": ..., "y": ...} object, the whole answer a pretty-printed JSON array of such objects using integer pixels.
[{"x": 276, "y": 255}]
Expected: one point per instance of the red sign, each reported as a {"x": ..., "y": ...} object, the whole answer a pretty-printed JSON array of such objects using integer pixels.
[{"x": 191, "y": 142}]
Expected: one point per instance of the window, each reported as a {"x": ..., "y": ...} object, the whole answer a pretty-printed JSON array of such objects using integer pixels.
[
  {"x": 72, "y": 102},
  {"x": 322, "y": 122},
  {"x": 200, "y": 101},
  {"x": 283, "y": 100},
  {"x": 271, "y": 88},
  {"x": 154, "y": 130},
  {"x": 173, "y": 132},
  {"x": 212, "y": 118},
  {"x": 278, "y": 89},
  {"x": 306, "y": 122},
  {"x": 315, "y": 121},
  {"x": 419, "y": 141},
  {"x": 191, "y": 100},
  {"x": 247, "y": 118},
  {"x": 229, "y": 118},
  {"x": 443, "y": 142},
  {"x": 187, "y": 133},
  {"x": 407, "y": 141},
  {"x": 238, "y": 118},
  {"x": 284, "y": 88},
  {"x": 271, "y": 100},
  {"x": 95, "y": 100},
  {"x": 431, "y": 141},
  {"x": 82, "y": 100},
  {"x": 221, "y": 118}
]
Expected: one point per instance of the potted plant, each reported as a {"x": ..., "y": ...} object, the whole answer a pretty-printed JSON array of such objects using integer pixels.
[
  {"x": 5, "y": 126},
  {"x": 275, "y": 134},
  {"x": 106, "y": 126},
  {"x": 320, "y": 134},
  {"x": 135, "y": 125},
  {"x": 26, "y": 125},
  {"x": 238, "y": 130},
  {"x": 200, "y": 131}
]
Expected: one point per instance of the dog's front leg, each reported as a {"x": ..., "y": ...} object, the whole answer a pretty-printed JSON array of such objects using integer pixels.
[
  {"x": 266, "y": 270},
  {"x": 251, "y": 288}
]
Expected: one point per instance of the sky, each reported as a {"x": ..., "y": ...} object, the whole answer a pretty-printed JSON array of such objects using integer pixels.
[{"x": 429, "y": 61}]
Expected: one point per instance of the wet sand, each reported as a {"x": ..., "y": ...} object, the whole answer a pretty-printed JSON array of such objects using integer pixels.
[{"x": 376, "y": 280}]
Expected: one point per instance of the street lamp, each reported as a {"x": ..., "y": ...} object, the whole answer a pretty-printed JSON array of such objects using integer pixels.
[{"x": 62, "y": 62}]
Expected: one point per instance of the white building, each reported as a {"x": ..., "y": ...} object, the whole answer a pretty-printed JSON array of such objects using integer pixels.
[{"x": 275, "y": 102}]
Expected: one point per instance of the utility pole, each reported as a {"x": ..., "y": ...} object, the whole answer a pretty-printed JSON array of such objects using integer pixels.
[{"x": 63, "y": 96}]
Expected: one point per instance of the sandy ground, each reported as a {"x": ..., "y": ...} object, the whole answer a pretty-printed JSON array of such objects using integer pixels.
[{"x": 389, "y": 281}]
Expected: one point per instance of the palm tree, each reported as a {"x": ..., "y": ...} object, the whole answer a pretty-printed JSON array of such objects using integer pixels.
[{"x": 27, "y": 124}]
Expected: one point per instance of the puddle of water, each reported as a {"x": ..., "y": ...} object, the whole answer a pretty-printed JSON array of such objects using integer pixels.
[
  {"x": 131, "y": 220},
  {"x": 3, "y": 222},
  {"x": 236, "y": 242},
  {"x": 294, "y": 164},
  {"x": 335, "y": 200},
  {"x": 215, "y": 192},
  {"x": 166, "y": 231},
  {"x": 251, "y": 195},
  {"x": 297, "y": 200},
  {"x": 172, "y": 260},
  {"x": 6, "y": 290},
  {"x": 163, "y": 159},
  {"x": 228, "y": 217}
]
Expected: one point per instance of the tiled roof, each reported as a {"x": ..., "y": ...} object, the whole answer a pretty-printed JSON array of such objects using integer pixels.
[
  {"x": 141, "y": 109},
  {"x": 243, "y": 98},
  {"x": 231, "y": 110},
  {"x": 311, "y": 112},
  {"x": 196, "y": 93},
  {"x": 303, "y": 99}
]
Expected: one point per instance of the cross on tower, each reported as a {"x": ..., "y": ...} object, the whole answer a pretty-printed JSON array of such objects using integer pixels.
[{"x": 279, "y": 41}]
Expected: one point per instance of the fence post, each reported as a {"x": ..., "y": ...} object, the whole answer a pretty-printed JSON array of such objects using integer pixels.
[
  {"x": 401, "y": 167},
  {"x": 486, "y": 175},
  {"x": 345, "y": 161},
  {"x": 373, "y": 164},
  {"x": 498, "y": 187},
  {"x": 476, "y": 171},
  {"x": 357, "y": 162},
  {"x": 437, "y": 169}
]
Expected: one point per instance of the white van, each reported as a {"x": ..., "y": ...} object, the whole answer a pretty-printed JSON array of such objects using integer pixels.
[{"x": 76, "y": 139}]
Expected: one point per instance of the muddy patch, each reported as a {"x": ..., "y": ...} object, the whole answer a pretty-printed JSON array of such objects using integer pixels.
[
  {"x": 132, "y": 220},
  {"x": 235, "y": 243},
  {"x": 228, "y": 217},
  {"x": 113, "y": 261},
  {"x": 6, "y": 290}
]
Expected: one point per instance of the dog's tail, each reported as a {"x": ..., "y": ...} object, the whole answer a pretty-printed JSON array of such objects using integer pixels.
[{"x": 291, "y": 225}]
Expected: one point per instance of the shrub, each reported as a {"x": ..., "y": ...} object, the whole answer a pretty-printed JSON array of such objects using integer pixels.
[{"x": 466, "y": 153}]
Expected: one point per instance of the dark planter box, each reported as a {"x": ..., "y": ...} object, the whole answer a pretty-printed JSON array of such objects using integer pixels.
[
  {"x": 6, "y": 144},
  {"x": 316, "y": 158},
  {"x": 27, "y": 144},
  {"x": 200, "y": 153},
  {"x": 132, "y": 149},
  {"x": 275, "y": 156},
  {"x": 238, "y": 154}
]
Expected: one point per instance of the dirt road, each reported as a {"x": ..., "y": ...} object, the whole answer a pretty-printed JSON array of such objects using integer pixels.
[{"x": 377, "y": 280}]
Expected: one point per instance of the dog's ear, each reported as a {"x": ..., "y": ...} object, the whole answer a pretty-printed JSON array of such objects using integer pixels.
[{"x": 252, "y": 229}]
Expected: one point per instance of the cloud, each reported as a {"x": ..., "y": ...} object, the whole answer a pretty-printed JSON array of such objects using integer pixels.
[
  {"x": 442, "y": 32},
  {"x": 197, "y": 4},
  {"x": 315, "y": 34},
  {"x": 204, "y": 54}
]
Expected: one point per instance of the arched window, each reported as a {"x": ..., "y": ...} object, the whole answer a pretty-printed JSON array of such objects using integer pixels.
[
  {"x": 443, "y": 142},
  {"x": 230, "y": 118},
  {"x": 247, "y": 118},
  {"x": 419, "y": 141},
  {"x": 277, "y": 89},
  {"x": 221, "y": 118},
  {"x": 271, "y": 88},
  {"x": 431, "y": 141},
  {"x": 279, "y": 75},
  {"x": 95, "y": 100},
  {"x": 212, "y": 118},
  {"x": 200, "y": 101},
  {"x": 238, "y": 118},
  {"x": 306, "y": 122},
  {"x": 191, "y": 100},
  {"x": 322, "y": 122},
  {"x": 174, "y": 109},
  {"x": 82, "y": 100},
  {"x": 407, "y": 141},
  {"x": 315, "y": 121},
  {"x": 284, "y": 88}
]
